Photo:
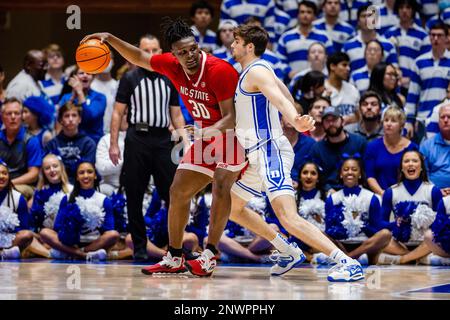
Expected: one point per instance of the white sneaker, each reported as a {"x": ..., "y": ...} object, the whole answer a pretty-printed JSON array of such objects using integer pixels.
[
  {"x": 385, "y": 258},
  {"x": 58, "y": 255},
  {"x": 322, "y": 259},
  {"x": 346, "y": 272},
  {"x": 99, "y": 255},
  {"x": 285, "y": 261},
  {"x": 10, "y": 253},
  {"x": 363, "y": 259}
]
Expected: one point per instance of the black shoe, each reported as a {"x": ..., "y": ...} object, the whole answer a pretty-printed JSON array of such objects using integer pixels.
[{"x": 140, "y": 256}]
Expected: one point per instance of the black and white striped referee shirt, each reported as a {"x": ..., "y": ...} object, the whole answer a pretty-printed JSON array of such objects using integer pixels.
[{"x": 148, "y": 96}]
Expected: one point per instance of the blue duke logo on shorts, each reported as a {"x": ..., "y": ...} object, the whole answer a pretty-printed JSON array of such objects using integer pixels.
[{"x": 274, "y": 174}]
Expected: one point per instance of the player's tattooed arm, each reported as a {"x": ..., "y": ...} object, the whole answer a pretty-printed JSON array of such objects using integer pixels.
[{"x": 134, "y": 55}]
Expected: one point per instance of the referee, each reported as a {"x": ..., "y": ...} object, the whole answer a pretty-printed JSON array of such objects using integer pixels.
[{"x": 153, "y": 106}]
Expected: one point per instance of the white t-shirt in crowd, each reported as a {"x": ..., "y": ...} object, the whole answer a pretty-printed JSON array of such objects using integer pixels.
[
  {"x": 346, "y": 100},
  {"x": 109, "y": 89}
]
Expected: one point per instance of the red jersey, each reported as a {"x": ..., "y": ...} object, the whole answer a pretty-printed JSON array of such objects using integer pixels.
[{"x": 215, "y": 81}]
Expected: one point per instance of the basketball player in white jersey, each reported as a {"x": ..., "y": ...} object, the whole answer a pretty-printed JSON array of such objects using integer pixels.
[{"x": 259, "y": 98}]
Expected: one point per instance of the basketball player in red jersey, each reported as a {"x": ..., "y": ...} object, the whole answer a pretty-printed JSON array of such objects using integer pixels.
[{"x": 207, "y": 86}]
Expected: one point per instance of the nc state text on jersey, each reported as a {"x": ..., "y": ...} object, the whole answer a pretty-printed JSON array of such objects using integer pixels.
[{"x": 194, "y": 94}]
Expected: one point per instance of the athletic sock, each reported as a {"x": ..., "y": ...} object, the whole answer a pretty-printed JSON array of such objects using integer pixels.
[
  {"x": 339, "y": 257},
  {"x": 212, "y": 248},
  {"x": 280, "y": 243},
  {"x": 175, "y": 252}
]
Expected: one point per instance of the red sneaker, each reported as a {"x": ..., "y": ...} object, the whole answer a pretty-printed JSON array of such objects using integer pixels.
[
  {"x": 168, "y": 264},
  {"x": 204, "y": 265}
]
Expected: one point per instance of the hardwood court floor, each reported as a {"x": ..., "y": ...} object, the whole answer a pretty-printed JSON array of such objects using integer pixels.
[{"x": 41, "y": 279}]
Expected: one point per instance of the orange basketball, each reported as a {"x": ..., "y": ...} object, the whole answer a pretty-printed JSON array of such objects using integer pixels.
[{"x": 93, "y": 56}]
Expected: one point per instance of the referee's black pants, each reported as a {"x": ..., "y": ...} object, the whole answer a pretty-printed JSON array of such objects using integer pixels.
[{"x": 145, "y": 154}]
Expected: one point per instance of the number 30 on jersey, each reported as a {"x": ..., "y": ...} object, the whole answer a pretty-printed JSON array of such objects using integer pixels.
[{"x": 199, "y": 110}]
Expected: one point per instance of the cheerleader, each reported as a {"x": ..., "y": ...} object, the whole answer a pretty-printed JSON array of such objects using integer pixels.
[
  {"x": 353, "y": 217},
  {"x": 438, "y": 238},
  {"x": 52, "y": 185},
  {"x": 84, "y": 224},
  {"x": 14, "y": 218},
  {"x": 310, "y": 201},
  {"x": 413, "y": 202}
]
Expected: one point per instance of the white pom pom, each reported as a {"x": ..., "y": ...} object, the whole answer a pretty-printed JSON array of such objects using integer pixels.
[
  {"x": 421, "y": 220},
  {"x": 257, "y": 204},
  {"x": 353, "y": 211},
  {"x": 51, "y": 208},
  {"x": 92, "y": 212},
  {"x": 8, "y": 222},
  {"x": 313, "y": 210},
  {"x": 422, "y": 217},
  {"x": 208, "y": 200}
]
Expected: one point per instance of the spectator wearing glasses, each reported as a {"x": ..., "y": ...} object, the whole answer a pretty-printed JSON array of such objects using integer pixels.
[
  {"x": 384, "y": 81},
  {"x": 429, "y": 80}
]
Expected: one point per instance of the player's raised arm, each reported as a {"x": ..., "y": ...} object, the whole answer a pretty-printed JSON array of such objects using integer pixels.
[
  {"x": 128, "y": 51},
  {"x": 263, "y": 80}
]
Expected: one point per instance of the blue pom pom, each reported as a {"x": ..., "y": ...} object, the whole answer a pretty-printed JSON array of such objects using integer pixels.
[
  {"x": 333, "y": 223},
  {"x": 37, "y": 210},
  {"x": 404, "y": 210},
  {"x": 441, "y": 231},
  {"x": 70, "y": 224},
  {"x": 201, "y": 221},
  {"x": 157, "y": 228},
  {"x": 120, "y": 220}
]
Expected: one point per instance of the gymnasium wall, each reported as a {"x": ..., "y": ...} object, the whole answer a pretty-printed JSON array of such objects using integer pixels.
[{"x": 21, "y": 30}]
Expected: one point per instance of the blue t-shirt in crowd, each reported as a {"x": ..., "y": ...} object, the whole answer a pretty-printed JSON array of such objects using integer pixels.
[
  {"x": 302, "y": 150},
  {"x": 329, "y": 156},
  {"x": 33, "y": 149},
  {"x": 437, "y": 160},
  {"x": 382, "y": 165}
]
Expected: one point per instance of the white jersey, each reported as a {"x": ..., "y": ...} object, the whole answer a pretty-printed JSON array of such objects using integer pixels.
[
  {"x": 257, "y": 120},
  {"x": 423, "y": 194}
]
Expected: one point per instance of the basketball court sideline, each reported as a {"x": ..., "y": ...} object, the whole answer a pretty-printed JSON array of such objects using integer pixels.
[{"x": 48, "y": 280}]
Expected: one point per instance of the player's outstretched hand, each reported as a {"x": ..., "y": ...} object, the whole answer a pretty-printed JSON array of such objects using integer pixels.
[
  {"x": 304, "y": 123},
  {"x": 102, "y": 36}
]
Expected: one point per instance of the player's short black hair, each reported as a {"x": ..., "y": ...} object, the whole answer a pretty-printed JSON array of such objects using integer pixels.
[
  {"x": 337, "y": 58},
  {"x": 201, "y": 4},
  {"x": 412, "y": 3},
  {"x": 310, "y": 5},
  {"x": 175, "y": 30}
]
